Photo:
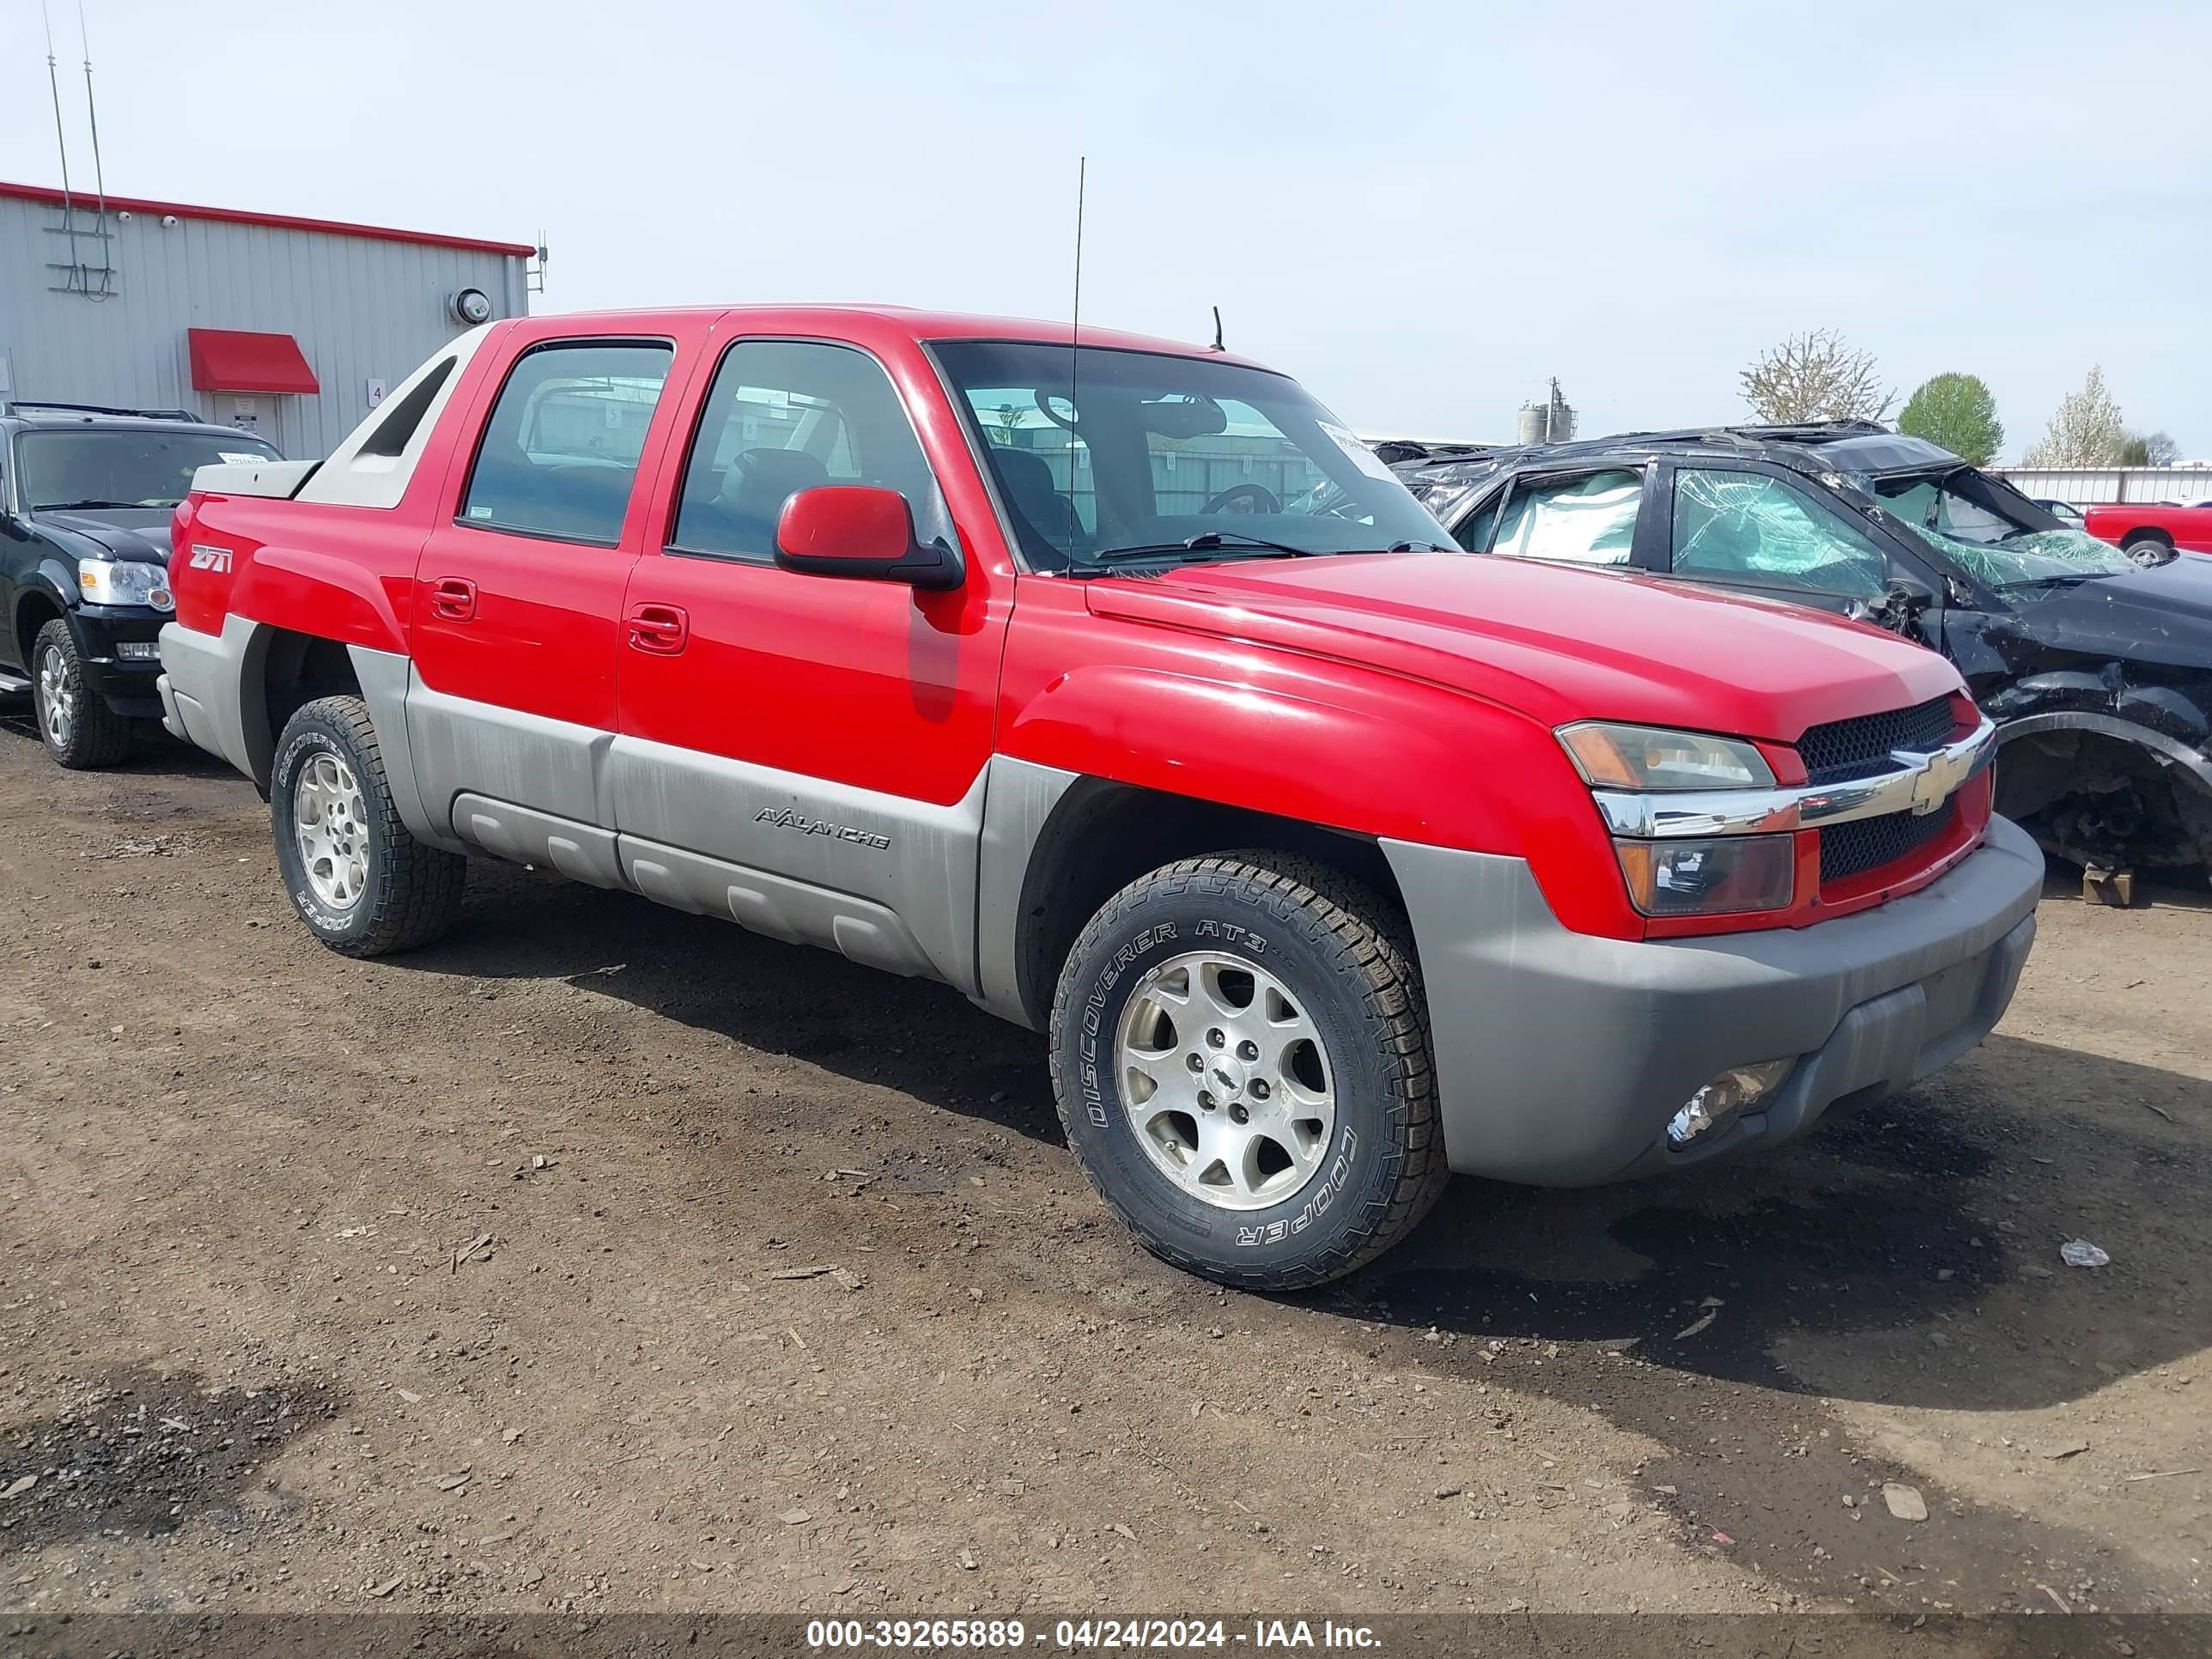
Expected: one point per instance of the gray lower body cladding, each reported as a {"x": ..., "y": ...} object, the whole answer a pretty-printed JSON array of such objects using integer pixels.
[
  {"x": 1561, "y": 1057},
  {"x": 202, "y": 686}
]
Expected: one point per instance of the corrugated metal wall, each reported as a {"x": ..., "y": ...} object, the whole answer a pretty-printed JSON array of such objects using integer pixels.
[
  {"x": 361, "y": 307},
  {"x": 2091, "y": 486}
]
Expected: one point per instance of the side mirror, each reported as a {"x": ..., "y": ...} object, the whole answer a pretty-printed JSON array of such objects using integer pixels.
[{"x": 861, "y": 533}]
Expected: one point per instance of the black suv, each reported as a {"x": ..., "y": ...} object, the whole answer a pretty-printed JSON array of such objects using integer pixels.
[
  {"x": 2097, "y": 670},
  {"x": 86, "y": 495}
]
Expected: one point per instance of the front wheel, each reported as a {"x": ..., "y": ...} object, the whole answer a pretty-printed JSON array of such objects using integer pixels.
[
  {"x": 355, "y": 872},
  {"x": 2149, "y": 550},
  {"x": 1241, "y": 1060},
  {"x": 81, "y": 732}
]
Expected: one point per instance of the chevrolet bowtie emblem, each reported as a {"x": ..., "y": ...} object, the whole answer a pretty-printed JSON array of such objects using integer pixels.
[{"x": 1938, "y": 776}]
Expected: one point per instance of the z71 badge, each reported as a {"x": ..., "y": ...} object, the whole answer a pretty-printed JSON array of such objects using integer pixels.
[
  {"x": 210, "y": 558},
  {"x": 784, "y": 818}
]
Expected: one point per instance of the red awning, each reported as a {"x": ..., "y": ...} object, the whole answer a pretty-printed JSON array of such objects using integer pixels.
[{"x": 233, "y": 360}]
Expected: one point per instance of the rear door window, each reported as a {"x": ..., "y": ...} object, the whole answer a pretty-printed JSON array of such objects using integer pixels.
[
  {"x": 1590, "y": 519},
  {"x": 560, "y": 453},
  {"x": 1755, "y": 530}
]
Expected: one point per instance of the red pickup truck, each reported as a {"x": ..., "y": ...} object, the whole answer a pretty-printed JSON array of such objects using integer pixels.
[
  {"x": 1118, "y": 686},
  {"x": 2151, "y": 531}
]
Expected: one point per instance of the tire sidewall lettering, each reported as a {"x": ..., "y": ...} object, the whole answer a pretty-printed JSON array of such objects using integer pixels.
[
  {"x": 1093, "y": 1019},
  {"x": 310, "y": 909}
]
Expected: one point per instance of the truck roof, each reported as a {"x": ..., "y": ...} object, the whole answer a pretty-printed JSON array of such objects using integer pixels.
[{"x": 917, "y": 322}]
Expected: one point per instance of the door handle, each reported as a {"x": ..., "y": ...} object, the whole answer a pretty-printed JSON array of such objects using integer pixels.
[
  {"x": 660, "y": 630},
  {"x": 453, "y": 600}
]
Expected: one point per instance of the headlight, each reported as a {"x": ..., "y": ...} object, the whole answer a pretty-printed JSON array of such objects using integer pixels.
[
  {"x": 123, "y": 582},
  {"x": 1716, "y": 877},
  {"x": 1612, "y": 757}
]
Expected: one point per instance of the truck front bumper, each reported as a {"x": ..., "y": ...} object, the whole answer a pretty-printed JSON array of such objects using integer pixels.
[{"x": 1561, "y": 1058}]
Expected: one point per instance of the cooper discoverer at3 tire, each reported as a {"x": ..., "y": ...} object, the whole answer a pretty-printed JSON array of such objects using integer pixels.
[
  {"x": 354, "y": 872},
  {"x": 1240, "y": 1054}
]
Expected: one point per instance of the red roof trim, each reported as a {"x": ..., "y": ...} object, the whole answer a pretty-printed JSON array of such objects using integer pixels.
[
  {"x": 236, "y": 360},
  {"x": 273, "y": 220}
]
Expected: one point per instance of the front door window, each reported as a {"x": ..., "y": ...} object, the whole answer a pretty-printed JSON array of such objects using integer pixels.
[{"x": 1756, "y": 531}]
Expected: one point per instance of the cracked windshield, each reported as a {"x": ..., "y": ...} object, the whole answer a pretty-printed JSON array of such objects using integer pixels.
[{"x": 1976, "y": 535}]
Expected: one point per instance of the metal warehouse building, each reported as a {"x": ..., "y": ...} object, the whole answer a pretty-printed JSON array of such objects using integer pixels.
[{"x": 292, "y": 328}]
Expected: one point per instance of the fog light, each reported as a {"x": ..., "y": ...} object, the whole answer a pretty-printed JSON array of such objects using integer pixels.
[
  {"x": 138, "y": 650},
  {"x": 1726, "y": 1097}
]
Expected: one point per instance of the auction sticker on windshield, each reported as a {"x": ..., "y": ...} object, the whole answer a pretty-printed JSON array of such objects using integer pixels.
[{"x": 1358, "y": 453}]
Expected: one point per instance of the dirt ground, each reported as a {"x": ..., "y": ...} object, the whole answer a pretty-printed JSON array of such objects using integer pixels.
[{"x": 490, "y": 1277}]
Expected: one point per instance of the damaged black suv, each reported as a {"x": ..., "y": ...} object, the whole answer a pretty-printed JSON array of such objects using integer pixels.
[
  {"x": 86, "y": 495},
  {"x": 2097, "y": 670}
]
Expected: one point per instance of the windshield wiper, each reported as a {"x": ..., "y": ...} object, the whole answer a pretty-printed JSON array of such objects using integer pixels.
[
  {"x": 79, "y": 507},
  {"x": 1208, "y": 541},
  {"x": 1205, "y": 541}
]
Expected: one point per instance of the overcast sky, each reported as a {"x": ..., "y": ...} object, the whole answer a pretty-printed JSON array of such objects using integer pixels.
[{"x": 1421, "y": 211}]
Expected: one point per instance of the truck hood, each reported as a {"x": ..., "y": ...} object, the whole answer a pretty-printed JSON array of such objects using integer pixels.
[
  {"x": 140, "y": 533},
  {"x": 1557, "y": 643}
]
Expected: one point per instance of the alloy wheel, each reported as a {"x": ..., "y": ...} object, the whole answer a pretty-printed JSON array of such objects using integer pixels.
[
  {"x": 330, "y": 821},
  {"x": 1225, "y": 1080},
  {"x": 57, "y": 698}
]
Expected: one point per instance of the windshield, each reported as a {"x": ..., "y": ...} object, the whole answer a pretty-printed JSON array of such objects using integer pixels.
[
  {"x": 1105, "y": 456},
  {"x": 1963, "y": 518},
  {"x": 126, "y": 466}
]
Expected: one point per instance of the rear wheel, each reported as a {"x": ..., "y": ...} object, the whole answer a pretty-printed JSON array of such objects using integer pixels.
[
  {"x": 355, "y": 872},
  {"x": 1240, "y": 1058},
  {"x": 2147, "y": 549},
  {"x": 80, "y": 730}
]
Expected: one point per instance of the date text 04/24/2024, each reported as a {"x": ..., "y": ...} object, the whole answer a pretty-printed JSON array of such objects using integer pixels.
[{"x": 1011, "y": 1634}]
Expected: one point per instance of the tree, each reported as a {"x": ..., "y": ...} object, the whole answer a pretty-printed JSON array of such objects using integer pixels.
[
  {"x": 2086, "y": 431},
  {"x": 1817, "y": 376},
  {"x": 2149, "y": 449},
  {"x": 1956, "y": 411}
]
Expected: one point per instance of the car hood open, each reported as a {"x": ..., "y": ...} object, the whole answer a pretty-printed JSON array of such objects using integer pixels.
[{"x": 1557, "y": 643}]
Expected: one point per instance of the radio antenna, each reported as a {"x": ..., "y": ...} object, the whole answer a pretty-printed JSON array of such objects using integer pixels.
[
  {"x": 61, "y": 139},
  {"x": 1217, "y": 346},
  {"x": 92, "y": 116},
  {"x": 99, "y": 174},
  {"x": 1075, "y": 313}
]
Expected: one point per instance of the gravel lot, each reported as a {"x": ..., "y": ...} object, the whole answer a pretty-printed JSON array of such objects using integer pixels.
[{"x": 492, "y": 1277}]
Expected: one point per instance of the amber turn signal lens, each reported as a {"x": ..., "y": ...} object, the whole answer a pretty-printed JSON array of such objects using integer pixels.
[{"x": 1648, "y": 757}]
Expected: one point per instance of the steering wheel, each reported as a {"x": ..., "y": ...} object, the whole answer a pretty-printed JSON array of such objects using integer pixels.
[
  {"x": 1045, "y": 401},
  {"x": 1268, "y": 499}
]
